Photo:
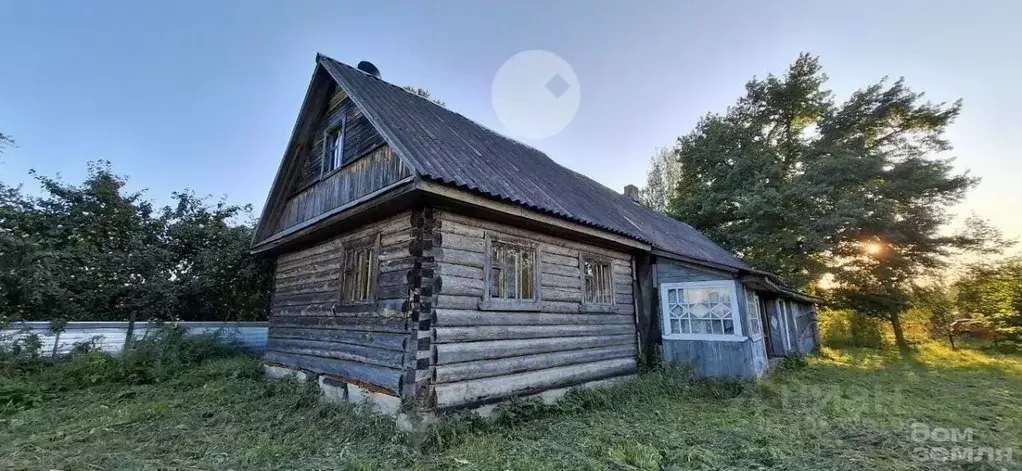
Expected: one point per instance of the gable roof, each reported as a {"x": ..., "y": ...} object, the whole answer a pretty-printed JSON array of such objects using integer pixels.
[{"x": 446, "y": 147}]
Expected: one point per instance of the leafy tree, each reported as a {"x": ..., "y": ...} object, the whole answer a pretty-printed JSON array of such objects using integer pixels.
[
  {"x": 424, "y": 94},
  {"x": 664, "y": 172},
  {"x": 992, "y": 292},
  {"x": 5, "y": 141},
  {"x": 801, "y": 185},
  {"x": 96, "y": 252}
]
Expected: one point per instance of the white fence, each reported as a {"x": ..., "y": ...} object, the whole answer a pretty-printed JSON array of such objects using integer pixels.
[{"x": 110, "y": 336}]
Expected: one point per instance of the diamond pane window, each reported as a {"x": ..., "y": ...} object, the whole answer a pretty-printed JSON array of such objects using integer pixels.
[{"x": 700, "y": 309}]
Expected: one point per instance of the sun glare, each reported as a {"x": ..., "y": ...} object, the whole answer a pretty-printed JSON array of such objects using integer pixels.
[{"x": 872, "y": 248}]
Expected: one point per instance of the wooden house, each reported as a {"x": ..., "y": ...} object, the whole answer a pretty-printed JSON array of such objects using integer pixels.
[{"x": 423, "y": 257}]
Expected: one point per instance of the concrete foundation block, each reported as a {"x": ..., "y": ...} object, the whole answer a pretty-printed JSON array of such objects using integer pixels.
[
  {"x": 280, "y": 372},
  {"x": 379, "y": 402},
  {"x": 334, "y": 392}
]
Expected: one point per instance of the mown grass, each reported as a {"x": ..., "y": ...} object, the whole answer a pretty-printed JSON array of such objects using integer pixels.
[{"x": 847, "y": 409}]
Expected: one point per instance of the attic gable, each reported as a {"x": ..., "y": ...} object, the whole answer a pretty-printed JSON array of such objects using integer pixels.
[{"x": 304, "y": 188}]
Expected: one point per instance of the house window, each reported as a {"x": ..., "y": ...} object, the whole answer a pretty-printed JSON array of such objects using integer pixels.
[
  {"x": 705, "y": 310},
  {"x": 333, "y": 148},
  {"x": 512, "y": 271},
  {"x": 358, "y": 283},
  {"x": 755, "y": 315},
  {"x": 598, "y": 281}
]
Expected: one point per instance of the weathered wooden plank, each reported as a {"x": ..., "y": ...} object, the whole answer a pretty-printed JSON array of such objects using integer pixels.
[
  {"x": 471, "y": 351},
  {"x": 622, "y": 270},
  {"x": 382, "y": 308},
  {"x": 386, "y": 378},
  {"x": 458, "y": 286},
  {"x": 393, "y": 292},
  {"x": 315, "y": 286},
  {"x": 284, "y": 282},
  {"x": 331, "y": 245},
  {"x": 559, "y": 259},
  {"x": 470, "y": 226},
  {"x": 374, "y": 324},
  {"x": 340, "y": 351},
  {"x": 445, "y": 269},
  {"x": 562, "y": 294},
  {"x": 384, "y": 341},
  {"x": 623, "y": 288},
  {"x": 460, "y": 242},
  {"x": 459, "y": 257},
  {"x": 623, "y": 298},
  {"x": 453, "y": 226},
  {"x": 506, "y": 366},
  {"x": 487, "y": 389},
  {"x": 506, "y": 332},
  {"x": 332, "y": 256},
  {"x": 560, "y": 270},
  {"x": 330, "y": 265},
  {"x": 304, "y": 298},
  {"x": 454, "y": 317},
  {"x": 366, "y": 174},
  {"x": 457, "y": 302},
  {"x": 397, "y": 264},
  {"x": 401, "y": 237},
  {"x": 558, "y": 281}
]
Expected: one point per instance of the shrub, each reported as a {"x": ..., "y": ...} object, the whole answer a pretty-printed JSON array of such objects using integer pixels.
[
  {"x": 849, "y": 329},
  {"x": 18, "y": 395},
  {"x": 794, "y": 361}
]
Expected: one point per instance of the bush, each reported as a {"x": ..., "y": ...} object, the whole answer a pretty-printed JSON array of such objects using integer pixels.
[
  {"x": 163, "y": 356},
  {"x": 849, "y": 329},
  {"x": 18, "y": 395}
]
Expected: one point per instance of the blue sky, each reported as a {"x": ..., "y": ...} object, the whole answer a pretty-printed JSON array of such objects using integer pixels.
[{"x": 203, "y": 95}]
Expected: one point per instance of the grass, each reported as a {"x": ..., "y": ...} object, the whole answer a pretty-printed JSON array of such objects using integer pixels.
[{"x": 847, "y": 409}]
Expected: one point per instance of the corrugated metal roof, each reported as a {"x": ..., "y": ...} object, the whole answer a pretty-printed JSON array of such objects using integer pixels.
[{"x": 447, "y": 147}]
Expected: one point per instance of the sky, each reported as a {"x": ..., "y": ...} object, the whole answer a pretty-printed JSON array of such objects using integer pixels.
[{"x": 203, "y": 95}]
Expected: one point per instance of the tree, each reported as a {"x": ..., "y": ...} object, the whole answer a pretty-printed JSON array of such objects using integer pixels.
[
  {"x": 992, "y": 293},
  {"x": 664, "y": 172},
  {"x": 5, "y": 141},
  {"x": 801, "y": 185},
  {"x": 422, "y": 92},
  {"x": 96, "y": 252}
]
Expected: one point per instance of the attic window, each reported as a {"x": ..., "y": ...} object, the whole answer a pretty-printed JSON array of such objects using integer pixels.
[{"x": 333, "y": 148}]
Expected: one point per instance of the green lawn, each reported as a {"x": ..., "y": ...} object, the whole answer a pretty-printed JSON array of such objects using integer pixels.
[{"x": 848, "y": 409}]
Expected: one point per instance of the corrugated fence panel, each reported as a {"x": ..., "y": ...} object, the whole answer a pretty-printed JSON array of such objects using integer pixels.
[{"x": 110, "y": 336}]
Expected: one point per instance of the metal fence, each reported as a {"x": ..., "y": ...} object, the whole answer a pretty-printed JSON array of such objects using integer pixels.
[{"x": 110, "y": 336}]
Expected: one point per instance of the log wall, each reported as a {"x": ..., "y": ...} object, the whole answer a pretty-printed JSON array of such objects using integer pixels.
[
  {"x": 371, "y": 344},
  {"x": 470, "y": 354}
]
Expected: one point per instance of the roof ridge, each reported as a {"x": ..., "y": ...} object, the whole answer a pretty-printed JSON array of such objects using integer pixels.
[
  {"x": 483, "y": 126},
  {"x": 446, "y": 146}
]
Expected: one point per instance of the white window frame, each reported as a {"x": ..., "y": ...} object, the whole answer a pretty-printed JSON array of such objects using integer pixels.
[
  {"x": 665, "y": 321},
  {"x": 749, "y": 312}
]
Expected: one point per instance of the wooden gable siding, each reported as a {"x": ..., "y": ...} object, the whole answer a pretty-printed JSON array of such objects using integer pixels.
[
  {"x": 369, "y": 173},
  {"x": 367, "y": 344},
  {"x": 368, "y": 164},
  {"x": 475, "y": 356}
]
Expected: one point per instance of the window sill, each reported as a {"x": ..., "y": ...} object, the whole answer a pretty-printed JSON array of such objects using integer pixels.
[
  {"x": 509, "y": 305},
  {"x": 755, "y": 337},
  {"x": 706, "y": 337}
]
